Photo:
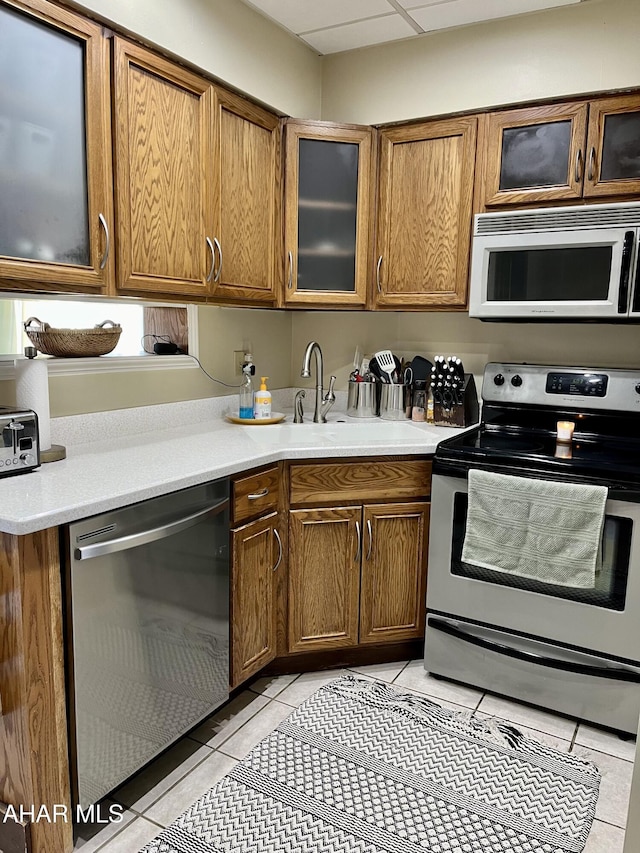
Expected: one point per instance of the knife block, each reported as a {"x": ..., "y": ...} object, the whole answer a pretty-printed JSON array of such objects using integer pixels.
[{"x": 462, "y": 414}]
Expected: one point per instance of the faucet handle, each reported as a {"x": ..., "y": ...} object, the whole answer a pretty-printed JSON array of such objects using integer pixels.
[
  {"x": 330, "y": 396},
  {"x": 299, "y": 412}
]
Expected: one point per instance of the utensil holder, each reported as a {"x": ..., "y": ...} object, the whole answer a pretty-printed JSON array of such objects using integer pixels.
[
  {"x": 362, "y": 399},
  {"x": 461, "y": 412},
  {"x": 392, "y": 402}
]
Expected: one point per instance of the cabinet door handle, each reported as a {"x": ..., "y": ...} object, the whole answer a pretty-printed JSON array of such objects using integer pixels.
[
  {"x": 216, "y": 277},
  {"x": 107, "y": 241},
  {"x": 578, "y": 172},
  {"x": 357, "y": 556},
  {"x": 257, "y": 495},
  {"x": 379, "y": 264},
  {"x": 290, "y": 276},
  {"x": 370, "y": 535},
  {"x": 592, "y": 163},
  {"x": 213, "y": 260},
  {"x": 279, "y": 541}
]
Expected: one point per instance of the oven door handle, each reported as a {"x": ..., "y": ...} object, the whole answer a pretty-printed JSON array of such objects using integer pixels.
[{"x": 614, "y": 673}]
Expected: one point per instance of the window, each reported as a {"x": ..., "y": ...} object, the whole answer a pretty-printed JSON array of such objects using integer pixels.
[
  {"x": 177, "y": 323},
  {"x": 70, "y": 315}
]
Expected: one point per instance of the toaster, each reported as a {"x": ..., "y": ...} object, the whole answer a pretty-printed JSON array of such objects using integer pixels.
[{"x": 19, "y": 446}]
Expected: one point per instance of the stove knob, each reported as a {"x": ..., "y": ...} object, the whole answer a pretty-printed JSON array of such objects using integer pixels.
[
  {"x": 516, "y": 381},
  {"x": 28, "y": 458},
  {"x": 498, "y": 379},
  {"x": 638, "y": 388}
]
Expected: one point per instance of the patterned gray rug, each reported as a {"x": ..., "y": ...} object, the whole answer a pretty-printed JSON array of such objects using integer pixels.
[{"x": 361, "y": 768}]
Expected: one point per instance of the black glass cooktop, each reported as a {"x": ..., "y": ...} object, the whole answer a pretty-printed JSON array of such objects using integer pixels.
[{"x": 595, "y": 458}]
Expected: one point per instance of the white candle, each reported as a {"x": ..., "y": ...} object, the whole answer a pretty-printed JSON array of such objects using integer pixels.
[{"x": 565, "y": 430}]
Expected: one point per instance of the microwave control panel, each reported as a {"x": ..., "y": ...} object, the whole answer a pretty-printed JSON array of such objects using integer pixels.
[{"x": 577, "y": 384}]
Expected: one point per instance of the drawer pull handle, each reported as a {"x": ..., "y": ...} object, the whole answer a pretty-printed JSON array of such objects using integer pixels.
[
  {"x": 257, "y": 495},
  {"x": 357, "y": 556},
  {"x": 370, "y": 534},
  {"x": 279, "y": 541}
]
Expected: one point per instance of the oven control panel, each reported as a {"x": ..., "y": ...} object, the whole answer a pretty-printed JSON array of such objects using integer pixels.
[
  {"x": 577, "y": 384},
  {"x": 562, "y": 386}
]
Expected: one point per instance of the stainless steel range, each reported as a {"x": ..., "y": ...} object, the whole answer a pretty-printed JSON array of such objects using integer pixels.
[{"x": 573, "y": 649}]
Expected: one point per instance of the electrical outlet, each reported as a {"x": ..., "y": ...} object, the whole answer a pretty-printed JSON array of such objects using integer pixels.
[{"x": 238, "y": 361}]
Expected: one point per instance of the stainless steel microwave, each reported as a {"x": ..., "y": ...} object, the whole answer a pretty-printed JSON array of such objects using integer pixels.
[{"x": 560, "y": 263}]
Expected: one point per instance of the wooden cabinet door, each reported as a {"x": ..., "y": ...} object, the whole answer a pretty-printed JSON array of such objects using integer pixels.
[
  {"x": 424, "y": 214},
  {"x": 163, "y": 175},
  {"x": 535, "y": 154},
  {"x": 394, "y": 571},
  {"x": 324, "y": 577},
  {"x": 56, "y": 201},
  {"x": 327, "y": 213},
  {"x": 613, "y": 147},
  {"x": 256, "y": 554},
  {"x": 246, "y": 192}
]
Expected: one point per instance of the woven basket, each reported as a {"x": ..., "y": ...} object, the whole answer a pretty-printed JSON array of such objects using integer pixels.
[{"x": 72, "y": 343}]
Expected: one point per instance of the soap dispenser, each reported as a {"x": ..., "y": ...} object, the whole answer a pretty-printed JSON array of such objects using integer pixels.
[
  {"x": 262, "y": 401},
  {"x": 246, "y": 394}
]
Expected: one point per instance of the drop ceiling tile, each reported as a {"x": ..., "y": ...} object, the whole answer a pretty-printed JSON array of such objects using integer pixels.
[
  {"x": 360, "y": 34},
  {"x": 456, "y": 13},
  {"x": 301, "y": 16}
]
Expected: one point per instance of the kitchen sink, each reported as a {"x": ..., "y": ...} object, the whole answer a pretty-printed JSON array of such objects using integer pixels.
[{"x": 338, "y": 431}]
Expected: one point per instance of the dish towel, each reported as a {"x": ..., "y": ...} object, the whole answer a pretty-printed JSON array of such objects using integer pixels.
[{"x": 539, "y": 529}]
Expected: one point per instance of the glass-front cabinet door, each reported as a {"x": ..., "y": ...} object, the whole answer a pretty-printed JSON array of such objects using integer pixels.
[
  {"x": 613, "y": 147},
  {"x": 56, "y": 207},
  {"x": 535, "y": 154},
  {"x": 327, "y": 213}
]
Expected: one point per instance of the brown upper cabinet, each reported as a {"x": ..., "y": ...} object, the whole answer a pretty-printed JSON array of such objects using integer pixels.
[
  {"x": 246, "y": 194},
  {"x": 56, "y": 210},
  {"x": 163, "y": 169},
  {"x": 327, "y": 213},
  {"x": 424, "y": 214},
  {"x": 562, "y": 152}
]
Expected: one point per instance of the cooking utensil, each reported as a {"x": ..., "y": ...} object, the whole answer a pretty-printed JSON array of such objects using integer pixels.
[
  {"x": 386, "y": 362},
  {"x": 421, "y": 368}
]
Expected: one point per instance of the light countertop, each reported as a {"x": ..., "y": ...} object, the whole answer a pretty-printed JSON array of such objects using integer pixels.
[{"x": 115, "y": 459}]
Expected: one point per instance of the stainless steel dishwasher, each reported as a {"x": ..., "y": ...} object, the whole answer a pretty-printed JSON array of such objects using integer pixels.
[{"x": 148, "y": 619}]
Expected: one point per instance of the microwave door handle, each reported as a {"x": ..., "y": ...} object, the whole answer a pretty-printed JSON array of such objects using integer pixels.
[
  {"x": 635, "y": 297},
  {"x": 625, "y": 272}
]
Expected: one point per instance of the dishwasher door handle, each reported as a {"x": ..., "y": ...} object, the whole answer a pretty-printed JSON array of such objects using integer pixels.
[{"x": 124, "y": 543}]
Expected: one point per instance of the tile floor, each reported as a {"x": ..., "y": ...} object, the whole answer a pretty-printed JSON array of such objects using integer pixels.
[{"x": 158, "y": 794}]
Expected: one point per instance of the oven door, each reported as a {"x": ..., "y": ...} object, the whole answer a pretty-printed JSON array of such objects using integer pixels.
[
  {"x": 604, "y": 620},
  {"x": 585, "y": 273}
]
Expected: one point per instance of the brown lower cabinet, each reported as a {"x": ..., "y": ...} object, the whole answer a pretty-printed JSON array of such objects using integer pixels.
[
  {"x": 357, "y": 574},
  {"x": 256, "y": 556}
]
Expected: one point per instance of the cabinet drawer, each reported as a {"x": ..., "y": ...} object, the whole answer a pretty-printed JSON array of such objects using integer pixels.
[
  {"x": 255, "y": 494},
  {"x": 376, "y": 480}
]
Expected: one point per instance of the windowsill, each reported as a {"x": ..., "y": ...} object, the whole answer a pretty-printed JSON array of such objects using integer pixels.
[{"x": 102, "y": 364}]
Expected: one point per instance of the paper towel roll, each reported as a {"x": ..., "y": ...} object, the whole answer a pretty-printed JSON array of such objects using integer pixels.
[{"x": 32, "y": 392}]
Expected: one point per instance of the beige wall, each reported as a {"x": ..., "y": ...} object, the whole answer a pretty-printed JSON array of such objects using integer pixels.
[
  {"x": 589, "y": 47},
  {"x": 221, "y": 331},
  {"x": 448, "y": 333},
  {"x": 228, "y": 39}
]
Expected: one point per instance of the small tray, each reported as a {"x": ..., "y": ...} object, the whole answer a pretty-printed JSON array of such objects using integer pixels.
[{"x": 276, "y": 418}]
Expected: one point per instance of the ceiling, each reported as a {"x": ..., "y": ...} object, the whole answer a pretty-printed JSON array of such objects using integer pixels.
[{"x": 330, "y": 26}]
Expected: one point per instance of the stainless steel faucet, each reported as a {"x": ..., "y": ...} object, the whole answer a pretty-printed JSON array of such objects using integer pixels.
[{"x": 323, "y": 403}]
